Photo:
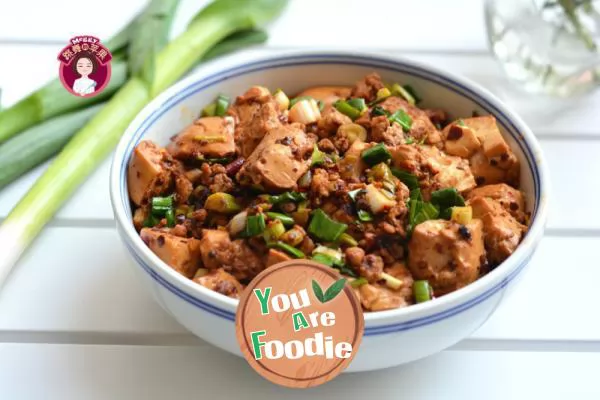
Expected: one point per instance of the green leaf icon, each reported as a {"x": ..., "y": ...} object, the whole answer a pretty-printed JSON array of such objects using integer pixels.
[
  {"x": 330, "y": 293},
  {"x": 317, "y": 291},
  {"x": 334, "y": 290}
]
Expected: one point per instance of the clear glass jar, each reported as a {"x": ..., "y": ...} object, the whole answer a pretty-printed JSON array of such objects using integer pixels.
[{"x": 547, "y": 47}]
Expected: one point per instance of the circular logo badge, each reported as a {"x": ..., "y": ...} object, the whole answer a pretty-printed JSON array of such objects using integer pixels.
[
  {"x": 299, "y": 324},
  {"x": 84, "y": 66}
]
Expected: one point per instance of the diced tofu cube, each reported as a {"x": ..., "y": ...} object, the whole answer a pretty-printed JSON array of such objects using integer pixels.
[
  {"x": 485, "y": 173},
  {"x": 454, "y": 173},
  {"x": 280, "y": 159},
  {"x": 460, "y": 140},
  {"x": 236, "y": 257},
  {"x": 502, "y": 231},
  {"x": 447, "y": 254},
  {"x": 510, "y": 199},
  {"x": 181, "y": 254},
  {"x": 221, "y": 282},
  {"x": 147, "y": 175},
  {"x": 209, "y": 137},
  {"x": 214, "y": 247},
  {"x": 487, "y": 131}
]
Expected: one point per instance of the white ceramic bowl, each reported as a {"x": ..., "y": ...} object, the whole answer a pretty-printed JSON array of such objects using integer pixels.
[{"x": 391, "y": 337}]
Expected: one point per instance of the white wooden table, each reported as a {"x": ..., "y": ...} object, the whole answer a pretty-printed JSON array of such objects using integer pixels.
[{"x": 74, "y": 323}]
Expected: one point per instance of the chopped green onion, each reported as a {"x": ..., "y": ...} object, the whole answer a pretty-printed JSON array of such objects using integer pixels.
[
  {"x": 364, "y": 216},
  {"x": 460, "y": 122},
  {"x": 222, "y": 104},
  {"x": 345, "y": 270},
  {"x": 407, "y": 178},
  {"x": 305, "y": 180},
  {"x": 170, "y": 216},
  {"x": 410, "y": 140},
  {"x": 358, "y": 103},
  {"x": 446, "y": 198},
  {"x": 324, "y": 228},
  {"x": 160, "y": 205},
  {"x": 323, "y": 259},
  {"x": 421, "y": 291},
  {"x": 391, "y": 281},
  {"x": 300, "y": 98},
  {"x": 400, "y": 91},
  {"x": 318, "y": 157},
  {"x": 428, "y": 211},
  {"x": 285, "y": 219},
  {"x": 346, "y": 109},
  {"x": 402, "y": 119},
  {"x": 378, "y": 110},
  {"x": 255, "y": 225},
  {"x": 209, "y": 110},
  {"x": 347, "y": 239},
  {"x": 288, "y": 197},
  {"x": 359, "y": 282},
  {"x": 273, "y": 231},
  {"x": 222, "y": 160},
  {"x": 352, "y": 194},
  {"x": 380, "y": 172},
  {"x": 222, "y": 203},
  {"x": 409, "y": 89},
  {"x": 150, "y": 221},
  {"x": 376, "y": 154},
  {"x": 294, "y": 252}
]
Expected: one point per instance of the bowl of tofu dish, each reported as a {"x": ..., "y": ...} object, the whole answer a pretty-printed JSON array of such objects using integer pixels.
[{"x": 422, "y": 189}]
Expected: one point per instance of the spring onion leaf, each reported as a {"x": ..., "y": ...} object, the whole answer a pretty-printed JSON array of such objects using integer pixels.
[
  {"x": 299, "y": 98},
  {"x": 236, "y": 41},
  {"x": 318, "y": 157},
  {"x": 94, "y": 142},
  {"x": 324, "y": 259},
  {"x": 273, "y": 231},
  {"x": 412, "y": 92},
  {"x": 345, "y": 108},
  {"x": 149, "y": 35},
  {"x": 398, "y": 90},
  {"x": 445, "y": 198},
  {"x": 376, "y": 154},
  {"x": 287, "y": 197},
  {"x": 209, "y": 110},
  {"x": 150, "y": 221},
  {"x": 460, "y": 122},
  {"x": 364, "y": 216},
  {"x": 285, "y": 219},
  {"x": 222, "y": 103},
  {"x": 402, "y": 119},
  {"x": 378, "y": 110},
  {"x": 160, "y": 205},
  {"x": 422, "y": 291},
  {"x": 352, "y": 194},
  {"x": 294, "y": 252},
  {"x": 255, "y": 225},
  {"x": 324, "y": 228},
  {"x": 407, "y": 178},
  {"x": 170, "y": 216},
  {"x": 358, "y": 282},
  {"x": 358, "y": 103},
  {"x": 345, "y": 270},
  {"x": 347, "y": 239}
]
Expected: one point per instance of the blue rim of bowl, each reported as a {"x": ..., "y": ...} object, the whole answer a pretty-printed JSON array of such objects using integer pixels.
[{"x": 328, "y": 59}]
